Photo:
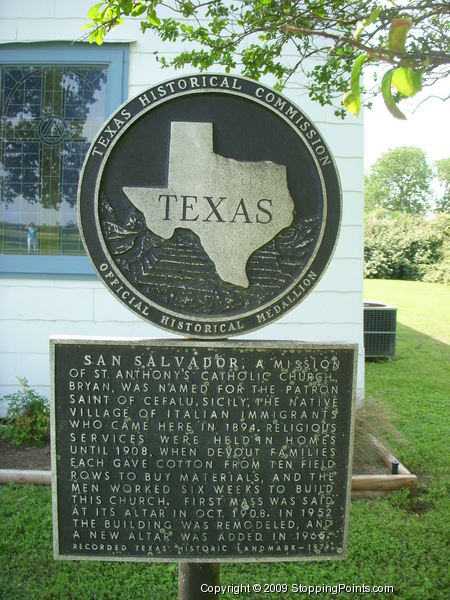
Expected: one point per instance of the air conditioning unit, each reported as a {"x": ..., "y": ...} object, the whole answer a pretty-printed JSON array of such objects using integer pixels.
[{"x": 380, "y": 329}]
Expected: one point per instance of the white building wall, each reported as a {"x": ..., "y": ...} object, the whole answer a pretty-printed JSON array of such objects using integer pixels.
[{"x": 33, "y": 309}]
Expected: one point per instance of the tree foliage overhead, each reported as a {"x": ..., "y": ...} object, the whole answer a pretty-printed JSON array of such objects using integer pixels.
[
  {"x": 406, "y": 42},
  {"x": 400, "y": 181}
]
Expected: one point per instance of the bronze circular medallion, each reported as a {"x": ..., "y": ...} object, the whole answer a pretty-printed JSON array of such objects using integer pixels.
[{"x": 210, "y": 205}]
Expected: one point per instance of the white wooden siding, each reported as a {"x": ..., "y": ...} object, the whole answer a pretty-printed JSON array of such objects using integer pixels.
[{"x": 33, "y": 309}]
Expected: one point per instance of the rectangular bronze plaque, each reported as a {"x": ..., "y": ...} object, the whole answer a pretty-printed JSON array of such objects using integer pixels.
[{"x": 201, "y": 451}]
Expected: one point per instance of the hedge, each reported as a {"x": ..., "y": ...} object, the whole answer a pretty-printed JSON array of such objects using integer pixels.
[{"x": 405, "y": 246}]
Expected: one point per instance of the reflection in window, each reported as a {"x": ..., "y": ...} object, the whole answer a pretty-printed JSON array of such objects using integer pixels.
[{"x": 48, "y": 117}]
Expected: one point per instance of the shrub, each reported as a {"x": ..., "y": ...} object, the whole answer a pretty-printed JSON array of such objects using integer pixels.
[
  {"x": 440, "y": 273},
  {"x": 405, "y": 246},
  {"x": 28, "y": 416}
]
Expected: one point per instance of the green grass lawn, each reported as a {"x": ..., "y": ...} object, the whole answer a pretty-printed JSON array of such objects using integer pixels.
[
  {"x": 424, "y": 307},
  {"x": 400, "y": 540}
]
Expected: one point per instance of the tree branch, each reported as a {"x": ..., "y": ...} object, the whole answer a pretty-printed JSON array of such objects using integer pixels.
[{"x": 382, "y": 53}]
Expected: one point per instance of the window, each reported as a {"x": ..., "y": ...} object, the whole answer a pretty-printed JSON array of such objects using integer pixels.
[{"x": 53, "y": 100}]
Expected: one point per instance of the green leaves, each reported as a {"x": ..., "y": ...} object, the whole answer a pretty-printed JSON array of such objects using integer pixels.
[
  {"x": 265, "y": 37},
  {"x": 28, "y": 416},
  {"x": 361, "y": 25},
  {"x": 106, "y": 15},
  {"x": 352, "y": 99},
  {"x": 387, "y": 96},
  {"x": 94, "y": 11},
  {"x": 397, "y": 33},
  {"x": 97, "y": 37},
  {"x": 351, "y": 103},
  {"x": 126, "y": 6},
  {"x": 98, "y": 14},
  {"x": 407, "y": 81},
  {"x": 138, "y": 9},
  {"x": 152, "y": 17}
]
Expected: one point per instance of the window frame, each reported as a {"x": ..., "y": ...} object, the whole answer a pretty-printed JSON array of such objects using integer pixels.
[{"x": 116, "y": 57}]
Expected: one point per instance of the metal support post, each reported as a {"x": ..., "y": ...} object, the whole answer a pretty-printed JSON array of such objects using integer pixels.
[{"x": 191, "y": 576}]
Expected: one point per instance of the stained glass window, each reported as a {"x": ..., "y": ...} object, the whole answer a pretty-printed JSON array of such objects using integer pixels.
[{"x": 48, "y": 117}]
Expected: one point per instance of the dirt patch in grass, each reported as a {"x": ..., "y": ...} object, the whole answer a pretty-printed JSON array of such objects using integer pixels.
[
  {"x": 25, "y": 457},
  {"x": 418, "y": 505}
]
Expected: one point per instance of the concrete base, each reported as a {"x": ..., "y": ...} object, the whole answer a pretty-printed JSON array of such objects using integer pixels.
[{"x": 32, "y": 477}]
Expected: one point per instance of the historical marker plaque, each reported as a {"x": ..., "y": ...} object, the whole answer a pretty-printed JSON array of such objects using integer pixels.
[
  {"x": 208, "y": 451},
  {"x": 209, "y": 205}
]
